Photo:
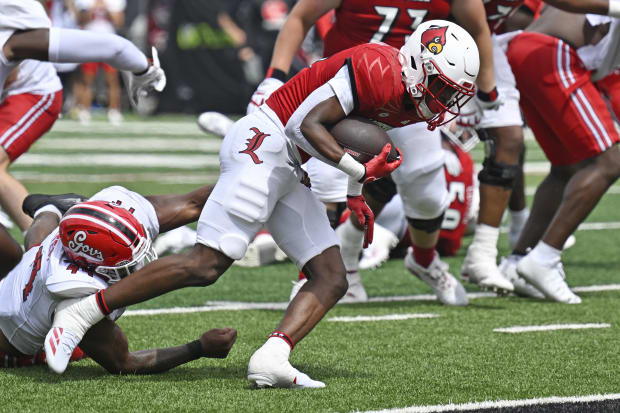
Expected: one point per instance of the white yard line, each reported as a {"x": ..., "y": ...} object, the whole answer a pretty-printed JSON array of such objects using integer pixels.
[
  {"x": 120, "y": 160},
  {"x": 130, "y": 144},
  {"x": 159, "y": 177},
  {"x": 498, "y": 404},
  {"x": 388, "y": 317},
  {"x": 240, "y": 305},
  {"x": 549, "y": 327}
]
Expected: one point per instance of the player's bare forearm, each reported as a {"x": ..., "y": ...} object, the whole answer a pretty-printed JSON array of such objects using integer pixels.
[
  {"x": 581, "y": 6},
  {"x": 41, "y": 227},
  {"x": 107, "y": 345},
  {"x": 174, "y": 211},
  {"x": 314, "y": 128},
  {"x": 471, "y": 15},
  {"x": 304, "y": 14}
]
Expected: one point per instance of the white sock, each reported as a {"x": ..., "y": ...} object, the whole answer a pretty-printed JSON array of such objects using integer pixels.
[
  {"x": 485, "y": 237},
  {"x": 277, "y": 347},
  {"x": 518, "y": 219},
  {"x": 82, "y": 46},
  {"x": 545, "y": 254},
  {"x": 351, "y": 242}
]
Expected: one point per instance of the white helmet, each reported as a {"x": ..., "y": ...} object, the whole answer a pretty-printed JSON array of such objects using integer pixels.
[{"x": 440, "y": 65}]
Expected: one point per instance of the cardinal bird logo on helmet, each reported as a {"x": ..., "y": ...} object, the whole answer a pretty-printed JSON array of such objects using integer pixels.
[{"x": 434, "y": 38}]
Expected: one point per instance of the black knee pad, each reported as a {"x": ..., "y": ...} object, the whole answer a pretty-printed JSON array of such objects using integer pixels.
[
  {"x": 497, "y": 173},
  {"x": 381, "y": 190},
  {"x": 427, "y": 225}
]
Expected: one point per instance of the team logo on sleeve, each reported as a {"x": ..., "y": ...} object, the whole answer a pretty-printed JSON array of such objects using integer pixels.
[
  {"x": 434, "y": 38},
  {"x": 254, "y": 143}
]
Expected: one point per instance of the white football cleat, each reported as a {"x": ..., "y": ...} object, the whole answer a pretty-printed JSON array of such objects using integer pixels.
[
  {"x": 378, "y": 251},
  {"x": 138, "y": 86},
  {"x": 356, "y": 293},
  {"x": 261, "y": 251},
  {"x": 508, "y": 268},
  {"x": 215, "y": 122},
  {"x": 59, "y": 346},
  {"x": 549, "y": 280},
  {"x": 448, "y": 289},
  {"x": 266, "y": 370},
  {"x": 479, "y": 267},
  {"x": 174, "y": 241}
]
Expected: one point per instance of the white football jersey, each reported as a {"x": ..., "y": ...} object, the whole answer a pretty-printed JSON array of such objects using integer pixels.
[{"x": 30, "y": 293}]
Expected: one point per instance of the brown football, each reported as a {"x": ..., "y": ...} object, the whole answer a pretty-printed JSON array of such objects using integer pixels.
[{"x": 361, "y": 138}]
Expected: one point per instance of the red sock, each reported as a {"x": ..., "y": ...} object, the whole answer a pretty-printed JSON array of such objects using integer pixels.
[
  {"x": 423, "y": 256},
  {"x": 302, "y": 276}
]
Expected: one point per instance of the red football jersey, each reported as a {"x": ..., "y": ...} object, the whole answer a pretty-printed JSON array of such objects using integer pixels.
[
  {"x": 461, "y": 190},
  {"x": 387, "y": 21},
  {"x": 498, "y": 11},
  {"x": 375, "y": 74}
]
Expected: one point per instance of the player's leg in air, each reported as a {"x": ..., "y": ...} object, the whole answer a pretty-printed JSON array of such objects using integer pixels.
[
  {"x": 581, "y": 146},
  {"x": 26, "y": 33}
]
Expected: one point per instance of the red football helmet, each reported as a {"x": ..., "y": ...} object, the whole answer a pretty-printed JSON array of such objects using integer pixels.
[{"x": 108, "y": 239}]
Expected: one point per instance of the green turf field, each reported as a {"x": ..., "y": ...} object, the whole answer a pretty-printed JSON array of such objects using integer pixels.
[{"x": 452, "y": 357}]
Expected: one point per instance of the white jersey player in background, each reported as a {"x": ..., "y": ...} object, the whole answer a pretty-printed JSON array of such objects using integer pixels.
[{"x": 114, "y": 228}]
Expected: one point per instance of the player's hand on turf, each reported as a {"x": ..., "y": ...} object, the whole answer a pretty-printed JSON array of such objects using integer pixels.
[
  {"x": 217, "y": 342},
  {"x": 365, "y": 216},
  {"x": 262, "y": 93},
  {"x": 379, "y": 166}
]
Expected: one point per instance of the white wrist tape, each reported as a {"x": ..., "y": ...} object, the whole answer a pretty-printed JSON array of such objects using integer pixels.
[
  {"x": 48, "y": 208},
  {"x": 354, "y": 187},
  {"x": 351, "y": 167},
  {"x": 614, "y": 8}
]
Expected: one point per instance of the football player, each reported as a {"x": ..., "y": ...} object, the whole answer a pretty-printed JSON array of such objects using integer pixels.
[
  {"x": 555, "y": 62},
  {"x": 96, "y": 243},
  {"x": 505, "y": 148},
  {"x": 260, "y": 185}
]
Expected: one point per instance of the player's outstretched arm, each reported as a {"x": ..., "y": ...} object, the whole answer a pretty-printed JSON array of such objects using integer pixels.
[
  {"x": 174, "y": 211},
  {"x": 107, "y": 344},
  {"x": 10, "y": 252}
]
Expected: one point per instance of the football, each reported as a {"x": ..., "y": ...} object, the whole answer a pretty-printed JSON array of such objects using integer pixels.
[{"x": 361, "y": 138}]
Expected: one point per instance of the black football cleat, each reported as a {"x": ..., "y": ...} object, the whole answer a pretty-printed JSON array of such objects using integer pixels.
[{"x": 62, "y": 201}]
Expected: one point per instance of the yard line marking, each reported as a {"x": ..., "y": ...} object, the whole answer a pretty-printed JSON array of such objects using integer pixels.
[
  {"x": 550, "y": 327},
  {"x": 130, "y": 144},
  {"x": 388, "y": 317},
  {"x": 612, "y": 190},
  {"x": 242, "y": 305},
  {"x": 142, "y": 128},
  {"x": 498, "y": 404},
  {"x": 159, "y": 177},
  {"x": 120, "y": 160}
]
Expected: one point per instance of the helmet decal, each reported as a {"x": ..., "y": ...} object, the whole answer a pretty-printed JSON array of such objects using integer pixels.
[
  {"x": 78, "y": 246},
  {"x": 434, "y": 38}
]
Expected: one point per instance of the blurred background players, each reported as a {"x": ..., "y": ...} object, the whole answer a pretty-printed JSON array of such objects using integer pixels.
[{"x": 100, "y": 16}]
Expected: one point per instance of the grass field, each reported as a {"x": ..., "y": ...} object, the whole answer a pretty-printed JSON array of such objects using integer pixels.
[{"x": 453, "y": 356}]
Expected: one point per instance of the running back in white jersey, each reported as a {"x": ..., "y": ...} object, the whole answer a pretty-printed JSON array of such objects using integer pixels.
[{"x": 31, "y": 291}]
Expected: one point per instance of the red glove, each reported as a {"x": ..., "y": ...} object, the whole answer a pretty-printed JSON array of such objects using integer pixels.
[
  {"x": 378, "y": 167},
  {"x": 359, "y": 207}
]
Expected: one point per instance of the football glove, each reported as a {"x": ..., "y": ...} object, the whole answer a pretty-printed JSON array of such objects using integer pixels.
[
  {"x": 365, "y": 216},
  {"x": 378, "y": 167},
  {"x": 489, "y": 101},
  {"x": 262, "y": 93}
]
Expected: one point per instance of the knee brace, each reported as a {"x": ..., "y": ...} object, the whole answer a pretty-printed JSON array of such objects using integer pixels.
[
  {"x": 427, "y": 225},
  {"x": 496, "y": 173},
  {"x": 381, "y": 190},
  {"x": 333, "y": 215}
]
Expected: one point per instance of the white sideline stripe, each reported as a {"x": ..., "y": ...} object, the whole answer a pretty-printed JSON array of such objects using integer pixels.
[
  {"x": 550, "y": 327},
  {"x": 120, "y": 160},
  {"x": 130, "y": 144},
  {"x": 141, "y": 128},
  {"x": 388, "y": 317},
  {"x": 498, "y": 404},
  {"x": 586, "y": 226},
  {"x": 241, "y": 305},
  {"x": 615, "y": 190},
  {"x": 159, "y": 177}
]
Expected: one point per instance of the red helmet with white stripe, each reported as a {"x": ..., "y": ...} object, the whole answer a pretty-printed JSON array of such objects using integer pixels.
[{"x": 108, "y": 239}]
